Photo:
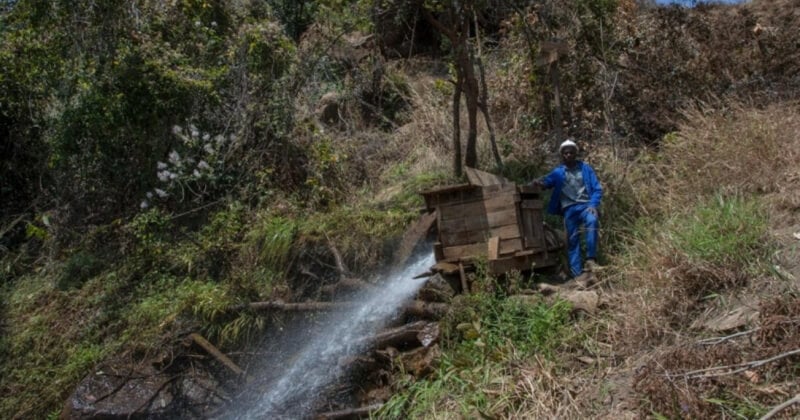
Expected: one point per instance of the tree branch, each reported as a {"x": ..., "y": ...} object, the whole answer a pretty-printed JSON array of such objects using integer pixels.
[
  {"x": 736, "y": 368},
  {"x": 781, "y": 406}
]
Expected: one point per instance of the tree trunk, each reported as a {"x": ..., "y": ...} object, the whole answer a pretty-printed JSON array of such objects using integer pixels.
[
  {"x": 483, "y": 100},
  {"x": 409, "y": 335},
  {"x": 457, "y": 129}
]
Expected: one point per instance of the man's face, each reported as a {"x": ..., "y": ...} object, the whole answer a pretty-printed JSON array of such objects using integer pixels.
[{"x": 569, "y": 154}]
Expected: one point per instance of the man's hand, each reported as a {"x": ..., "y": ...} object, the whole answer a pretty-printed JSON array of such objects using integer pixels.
[
  {"x": 537, "y": 183},
  {"x": 593, "y": 211}
]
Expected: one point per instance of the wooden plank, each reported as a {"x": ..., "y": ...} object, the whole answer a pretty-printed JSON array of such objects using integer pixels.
[
  {"x": 462, "y": 224},
  {"x": 413, "y": 236},
  {"x": 501, "y": 217},
  {"x": 494, "y": 219},
  {"x": 465, "y": 251},
  {"x": 451, "y": 194},
  {"x": 522, "y": 262},
  {"x": 477, "y": 223},
  {"x": 528, "y": 232},
  {"x": 475, "y": 194},
  {"x": 510, "y": 245},
  {"x": 493, "y": 248},
  {"x": 472, "y": 236},
  {"x": 481, "y": 207}
]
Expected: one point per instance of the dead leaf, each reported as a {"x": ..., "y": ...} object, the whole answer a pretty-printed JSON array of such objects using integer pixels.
[{"x": 752, "y": 376}]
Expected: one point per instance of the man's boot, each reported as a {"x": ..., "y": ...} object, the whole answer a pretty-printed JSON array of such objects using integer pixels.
[{"x": 592, "y": 266}]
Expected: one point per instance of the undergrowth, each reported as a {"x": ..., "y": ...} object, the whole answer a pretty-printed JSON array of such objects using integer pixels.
[{"x": 485, "y": 335}]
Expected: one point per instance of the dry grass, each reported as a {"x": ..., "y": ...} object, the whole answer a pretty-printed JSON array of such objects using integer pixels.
[
  {"x": 740, "y": 149},
  {"x": 658, "y": 288}
]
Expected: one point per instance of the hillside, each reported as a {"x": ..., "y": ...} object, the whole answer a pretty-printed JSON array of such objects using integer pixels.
[{"x": 165, "y": 164}]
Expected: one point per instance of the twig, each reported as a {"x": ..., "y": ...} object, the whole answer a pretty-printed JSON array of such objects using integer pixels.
[
  {"x": 716, "y": 340},
  {"x": 739, "y": 367},
  {"x": 780, "y": 407}
]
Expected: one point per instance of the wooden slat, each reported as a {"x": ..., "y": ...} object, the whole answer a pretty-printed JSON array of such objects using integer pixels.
[
  {"x": 501, "y": 217},
  {"x": 477, "y": 208},
  {"x": 465, "y": 251},
  {"x": 493, "y": 249},
  {"x": 510, "y": 245},
  {"x": 474, "y": 194},
  {"x": 493, "y": 219},
  {"x": 472, "y": 236}
]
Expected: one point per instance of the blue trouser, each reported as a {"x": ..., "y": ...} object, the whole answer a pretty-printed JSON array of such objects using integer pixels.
[{"x": 575, "y": 216}]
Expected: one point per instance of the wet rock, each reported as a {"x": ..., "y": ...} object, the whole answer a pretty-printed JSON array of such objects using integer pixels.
[
  {"x": 436, "y": 289},
  {"x": 422, "y": 361},
  {"x": 121, "y": 390},
  {"x": 121, "y": 393}
]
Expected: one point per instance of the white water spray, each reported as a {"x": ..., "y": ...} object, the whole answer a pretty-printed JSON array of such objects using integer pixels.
[{"x": 316, "y": 367}]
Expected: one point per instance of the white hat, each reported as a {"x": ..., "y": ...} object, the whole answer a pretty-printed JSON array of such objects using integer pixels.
[{"x": 567, "y": 143}]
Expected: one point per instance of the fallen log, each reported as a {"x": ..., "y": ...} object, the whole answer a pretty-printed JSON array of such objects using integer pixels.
[
  {"x": 425, "y": 310},
  {"x": 419, "y": 309},
  {"x": 416, "y": 334},
  {"x": 350, "y": 413},
  {"x": 294, "y": 306},
  {"x": 213, "y": 351}
]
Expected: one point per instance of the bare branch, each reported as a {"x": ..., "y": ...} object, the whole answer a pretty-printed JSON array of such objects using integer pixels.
[
  {"x": 781, "y": 406},
  {"x": 731, "y": 369},
  {"x": 716, "y": 340}
]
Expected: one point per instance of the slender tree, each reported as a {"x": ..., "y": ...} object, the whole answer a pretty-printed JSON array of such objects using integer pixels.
[{"x": 453, "y": 21}]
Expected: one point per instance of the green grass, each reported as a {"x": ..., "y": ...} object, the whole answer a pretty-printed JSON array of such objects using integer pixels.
[
  {"x": 482, "y": 336},
  {"x": 723, "y": 230}
]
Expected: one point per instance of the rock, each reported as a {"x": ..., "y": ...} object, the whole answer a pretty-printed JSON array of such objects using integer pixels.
[
  {"x": 111, "y": 393},
  {"x": 121, "y": 390},
  {"x": 422, "y": 361},
  {"x": 582, "y": 300},
  {"x": 436, "y": 289},
  {"x": 730, "y": 320}
]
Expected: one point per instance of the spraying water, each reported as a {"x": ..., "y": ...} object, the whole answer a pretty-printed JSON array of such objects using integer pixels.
[{"x": 316, "y": 366}]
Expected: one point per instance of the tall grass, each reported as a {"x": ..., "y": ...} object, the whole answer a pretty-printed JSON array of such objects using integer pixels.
[{"x": 722, "y": 231}]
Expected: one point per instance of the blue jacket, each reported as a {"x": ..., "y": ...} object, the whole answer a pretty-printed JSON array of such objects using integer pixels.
[{"x": 555, "y": 180}]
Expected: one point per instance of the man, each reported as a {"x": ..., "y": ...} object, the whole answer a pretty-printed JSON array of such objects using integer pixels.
[{"x": 576, "y": 197}]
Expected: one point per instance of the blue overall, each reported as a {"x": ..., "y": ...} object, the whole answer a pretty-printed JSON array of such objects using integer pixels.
[{"x": 576, "y": 214}]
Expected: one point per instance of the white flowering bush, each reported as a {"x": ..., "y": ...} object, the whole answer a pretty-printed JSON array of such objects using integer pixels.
[{"x": 194, "y": 172}]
